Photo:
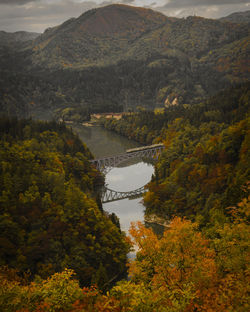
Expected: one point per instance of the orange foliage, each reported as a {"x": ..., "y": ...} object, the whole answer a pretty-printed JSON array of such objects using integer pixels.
[{"x": 181, "y": 259}]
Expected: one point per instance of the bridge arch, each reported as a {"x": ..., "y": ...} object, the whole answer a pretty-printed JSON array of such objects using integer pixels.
[
  {"x": 106, "y": 163},
  {"x": 109, "y": 195}
]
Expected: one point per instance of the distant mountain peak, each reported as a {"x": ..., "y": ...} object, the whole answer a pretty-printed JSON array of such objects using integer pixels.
[
  {"x": 18, "y": 37},
  {"x": 96, "y": 35},
  {"x": 110, "y": 34},
  {"x": 238, "y": 17},
  {"x": 118, "y": 18}
]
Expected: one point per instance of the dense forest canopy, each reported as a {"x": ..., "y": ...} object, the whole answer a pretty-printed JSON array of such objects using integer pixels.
[
  {"x": 119, "y": 57},
  {"x": 182, "y": 271},
  {"x": 206, "y": 160},
  {"x": 50, "y": 218},
  {"x": 59, "y": 251},
  {"x": 51, "y": 221}
]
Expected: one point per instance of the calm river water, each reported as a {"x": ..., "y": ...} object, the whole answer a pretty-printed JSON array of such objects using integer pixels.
[{"x": 129, "y": 176}]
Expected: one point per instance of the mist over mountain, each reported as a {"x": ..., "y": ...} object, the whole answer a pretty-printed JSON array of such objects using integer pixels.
[
  {"x": 119, "y": 57},
  {"x": 7, "y": 38}
]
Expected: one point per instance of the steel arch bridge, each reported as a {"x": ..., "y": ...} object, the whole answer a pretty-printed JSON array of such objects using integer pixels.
[
  {"x": 106, "y": 163},
  {"x": 109, "y": 195}
]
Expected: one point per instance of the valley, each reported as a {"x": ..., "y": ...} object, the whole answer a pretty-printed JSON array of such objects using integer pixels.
[{"x": 113, "y": 79}]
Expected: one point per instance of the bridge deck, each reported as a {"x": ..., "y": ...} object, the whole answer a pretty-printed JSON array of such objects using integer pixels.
[
  {"x": 110, "y": 195},
  {"x": 112, "y": 161}
]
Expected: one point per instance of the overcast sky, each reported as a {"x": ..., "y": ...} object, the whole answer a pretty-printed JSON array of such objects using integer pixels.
[{"x": 37, "y": 15}]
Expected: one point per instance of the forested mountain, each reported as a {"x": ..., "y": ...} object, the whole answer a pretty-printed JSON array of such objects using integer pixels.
[
  {"x": 119, "y": 57},
  {"x": 201, "y": 185},
  {"x": 238, "y": 17},
  {"x": 59, "y": 251},
  {"x": 8, "y": 38},
  {"x": 107, "y": 35},
  {"x": 50, "y": 217},
  {"x": 206, "y": 161},
  {"x": 98, "y": 37}
]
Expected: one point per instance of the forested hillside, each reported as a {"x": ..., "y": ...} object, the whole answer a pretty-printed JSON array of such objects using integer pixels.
[
  {"x": 50, "y": 216},
  {"x": 146, "y": 127},
  {"x": 206, "y": 160},
  {"x": 59, "y": 251},
  {"x": 184, "y": 270},
  {"x": 50, "y": 220},
  {"x": 118, "y": 57},
  {"x": 11, "y": 39},
  {"x": 238, "y": 17}
]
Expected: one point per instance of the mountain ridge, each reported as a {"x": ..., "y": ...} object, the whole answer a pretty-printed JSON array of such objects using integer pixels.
[
  {"x": 139, "y": 57},
  {"x": 77, "y": 40},
  {"x": 10, "y": 38},
  {"x": 237, "y": 17},
  {"x": 112, "y": 33}
]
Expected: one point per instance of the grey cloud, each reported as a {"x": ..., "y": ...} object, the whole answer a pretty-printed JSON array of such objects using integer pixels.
[
  {"x": 127, "y": 1},
  {"x": 104, "y": 3},
  {"x": 38, "y": 18},
  {"x": 197, "y": 3},
  {"x": 205, "y": 8},
  {"x": 41, "y": 14},
  {"x": 15, "y": 2}
]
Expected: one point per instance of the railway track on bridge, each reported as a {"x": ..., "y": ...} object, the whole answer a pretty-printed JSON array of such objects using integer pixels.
[
  {"x": 106, "y": 163},
  {"x": 109, "y": 195}
]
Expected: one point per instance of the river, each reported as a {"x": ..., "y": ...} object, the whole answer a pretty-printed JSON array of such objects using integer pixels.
[{"x": 127, "y": 177}]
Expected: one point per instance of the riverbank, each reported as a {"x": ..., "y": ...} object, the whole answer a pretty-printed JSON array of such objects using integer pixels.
[{"x": 154, "y": 219}]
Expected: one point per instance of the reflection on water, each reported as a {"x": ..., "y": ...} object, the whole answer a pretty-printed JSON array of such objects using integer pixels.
[
  {"x": 102, "y": 142},
  {"x": 127, "y": 211},
  {"x": 128, "y": 179},
  {"x": 130, "y": 175}
]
